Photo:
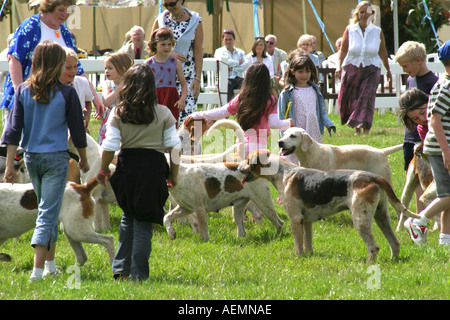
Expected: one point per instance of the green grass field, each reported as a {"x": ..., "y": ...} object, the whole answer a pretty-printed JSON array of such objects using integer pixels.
[{"x": 260, "y": 266}]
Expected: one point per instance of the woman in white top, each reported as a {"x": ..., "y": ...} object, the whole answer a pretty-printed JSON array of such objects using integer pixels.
[
  {"x": 362, "y": 52},
  {"x": 259, "y": 54}
]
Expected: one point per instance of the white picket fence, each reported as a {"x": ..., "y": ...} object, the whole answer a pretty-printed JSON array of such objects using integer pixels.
[
  {"x": 384, "y": 103},
  {"x": 214, "y": 82}
]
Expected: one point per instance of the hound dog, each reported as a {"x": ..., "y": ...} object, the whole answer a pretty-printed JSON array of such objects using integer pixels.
[
  {"x": 207, "y": 187},
  {"x": 19, "y": 210},
  {"x": 418, "y": 174},
  {"x": 226, "y": 156},
  {"x": 190, "y": 136},
  {"x": 312, "y": 154},
  {"x": 103, "y": 195},
  {"x": 21, "y": 173},
  {"x": 309, "y": 195}
]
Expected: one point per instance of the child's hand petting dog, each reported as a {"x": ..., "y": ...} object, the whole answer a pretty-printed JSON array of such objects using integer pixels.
[{"x": 103, "y": 177}]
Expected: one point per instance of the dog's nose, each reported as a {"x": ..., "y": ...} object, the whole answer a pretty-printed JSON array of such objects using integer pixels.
[{"x": 280, "y": 143}]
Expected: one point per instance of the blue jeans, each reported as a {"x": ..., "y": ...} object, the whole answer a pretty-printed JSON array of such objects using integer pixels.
[
  {"x": 134, "y": 248},
  {"x": 48, "y": 174}
]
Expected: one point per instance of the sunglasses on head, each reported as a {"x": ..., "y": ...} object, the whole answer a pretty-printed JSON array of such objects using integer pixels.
[{"x": 171, "y": 4}]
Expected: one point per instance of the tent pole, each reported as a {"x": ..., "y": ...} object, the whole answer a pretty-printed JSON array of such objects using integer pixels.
[
  {"x": 395, "y": 16},
  {"x": 95, "y": 36},
  {"x": 304, "y": 17},
  {"x": 271, "y": 18},
  {"x": 321, "y": 17},
  {"x": 398, "y": 80},
  {"x": 13, "y": 16}
]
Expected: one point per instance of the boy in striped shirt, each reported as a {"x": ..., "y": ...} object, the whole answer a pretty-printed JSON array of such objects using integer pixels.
[{"x": 436, "y": 147}]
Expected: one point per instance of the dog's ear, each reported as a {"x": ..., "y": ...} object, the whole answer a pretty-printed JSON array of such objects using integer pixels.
[
  {"x": 195, "y": 128},
  {"x": 206, "y": 124},
  {"x": 252, "y": 159},
  {"x": 306, "y": 141},
  {"x": 259, "y": 158}
]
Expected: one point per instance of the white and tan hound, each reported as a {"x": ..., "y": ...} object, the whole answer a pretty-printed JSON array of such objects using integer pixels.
[
  {"x": 209, "y": 187},
  {"x": 19, "y": 210},
  {"x": 312, "y": 154},
  {"x": 309, "y": 195},
  {"x": 419, "y": 174}
]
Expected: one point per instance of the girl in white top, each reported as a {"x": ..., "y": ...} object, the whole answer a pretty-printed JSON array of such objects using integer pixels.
[
  {"x": 116, "y": 65},
  {"x": 302, "y": 101}
]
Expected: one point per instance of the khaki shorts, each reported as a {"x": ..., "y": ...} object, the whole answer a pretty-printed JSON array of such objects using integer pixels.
[{"x": 441, "y": 176}]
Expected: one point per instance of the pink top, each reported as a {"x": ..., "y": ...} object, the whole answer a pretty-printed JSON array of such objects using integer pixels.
[
  {"x": 422, "y": 131},
  {"x": 259, "y": 133},
  {"x": 257, "y": 136}
]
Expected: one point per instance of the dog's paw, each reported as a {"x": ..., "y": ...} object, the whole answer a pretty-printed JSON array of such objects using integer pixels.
[{"x": 171, "y": 232}]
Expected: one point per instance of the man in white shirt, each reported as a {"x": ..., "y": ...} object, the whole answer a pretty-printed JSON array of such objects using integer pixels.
[
  {"x": 237, "y": 63},
  {"x": 333, "y": 59},
  {"x": 278, "y": 55}
]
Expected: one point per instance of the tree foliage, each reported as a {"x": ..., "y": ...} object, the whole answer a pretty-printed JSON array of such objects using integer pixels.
[
  {"x": 413, "y": 22},
  {"x": 6, "y": 9}
]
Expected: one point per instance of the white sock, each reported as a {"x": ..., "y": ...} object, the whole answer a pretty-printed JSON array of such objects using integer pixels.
[
  {"x": 50, "y": 266},
  {"x": 444, "y": 238},
  {"x": 421, "y": 221},
  {"x": 37, "y": 272}
]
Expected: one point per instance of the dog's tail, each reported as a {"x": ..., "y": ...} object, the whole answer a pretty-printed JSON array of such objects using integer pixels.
[
  {"x": 91, "y": 184},
  {"x": 390, "y": 150},
  {"x": 209, "y": 158},
  {"x": 393, "y": 199},
  {"x": 230, "y": 124}
]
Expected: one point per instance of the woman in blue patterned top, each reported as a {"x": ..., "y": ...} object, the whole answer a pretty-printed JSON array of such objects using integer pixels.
[{"x": 46, "y": 25}]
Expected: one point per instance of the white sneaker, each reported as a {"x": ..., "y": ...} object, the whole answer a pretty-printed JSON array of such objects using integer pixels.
[
  {"x": 417, "y": 232},
  {"x": 48, "y": 273},
  {"x": 34, "y": 278}
]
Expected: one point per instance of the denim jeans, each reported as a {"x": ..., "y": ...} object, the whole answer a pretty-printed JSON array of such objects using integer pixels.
[
  {"x": 134, "y": 248},
  {"x": 48, "y": 174}
]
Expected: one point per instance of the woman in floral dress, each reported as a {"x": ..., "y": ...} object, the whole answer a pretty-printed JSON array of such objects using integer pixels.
[{"x": 188, "y": 32}]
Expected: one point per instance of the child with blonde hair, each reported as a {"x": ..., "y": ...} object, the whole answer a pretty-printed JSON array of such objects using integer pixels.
[
  {"x": 116, "y": 65},
  {"x": 166, "y": 69},
  {"x": 81, "y": 84},
  {"x": 44, "y": 111}
]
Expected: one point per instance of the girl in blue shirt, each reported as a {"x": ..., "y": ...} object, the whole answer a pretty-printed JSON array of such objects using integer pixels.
[{"x": 44, "y": 110}]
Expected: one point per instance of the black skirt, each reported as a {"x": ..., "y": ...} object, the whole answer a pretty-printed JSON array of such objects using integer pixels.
[{"x": 139, "y": 184}]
